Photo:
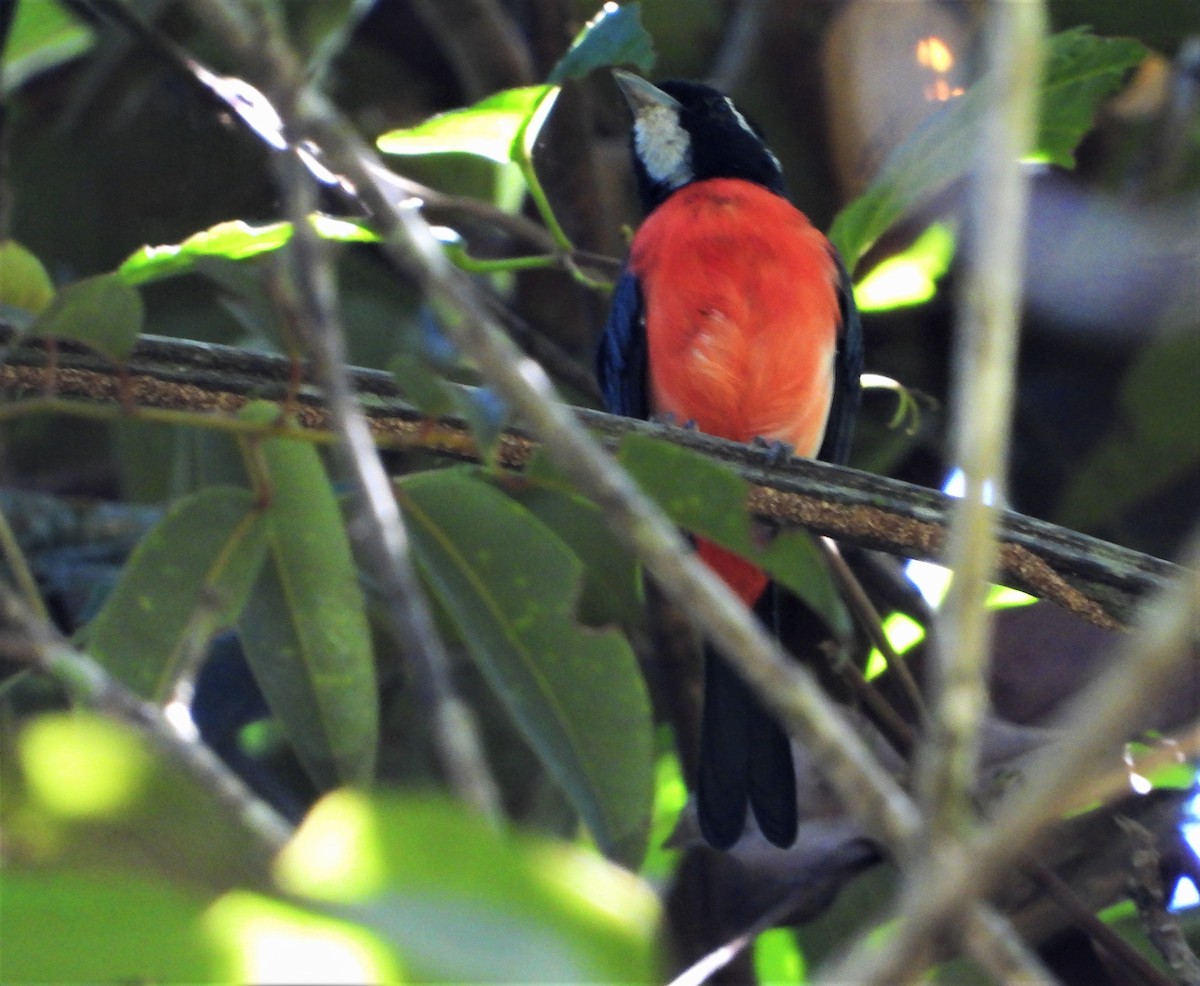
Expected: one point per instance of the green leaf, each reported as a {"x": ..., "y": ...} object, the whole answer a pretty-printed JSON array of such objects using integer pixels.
[
  {"x": 24, "y": 284},
  {"x": 43, "y": 36},
  {"x": 305, "y": 629},
  {"x": 495, "y": 128},
  {"x": 187, "y": 579},
  {"x": 463, "y": 902},
  {"x": 122, "y": 927},
  {"x": 615, "y": 36},
  {"x": 1080, "y": 70},
  {"x": 102, "y": 312},
  {"x": 511, "y": 587},
  {"x": 1154, "y": 441},
  {"x": 612, "y": 587},
  {"x": 709, "y": 499},
  {"x": 234, "y": 240},
  {"x": 304, "y": 947}
]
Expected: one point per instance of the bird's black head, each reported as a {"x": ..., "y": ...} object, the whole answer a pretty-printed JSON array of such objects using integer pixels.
[{"x": 685, "y": 132}]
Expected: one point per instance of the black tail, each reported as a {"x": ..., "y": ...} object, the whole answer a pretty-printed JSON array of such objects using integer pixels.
[{"x": 745, "y": 759}]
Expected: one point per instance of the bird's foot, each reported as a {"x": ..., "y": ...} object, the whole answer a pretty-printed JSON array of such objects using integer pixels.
[{"x": 777, "y": 452}]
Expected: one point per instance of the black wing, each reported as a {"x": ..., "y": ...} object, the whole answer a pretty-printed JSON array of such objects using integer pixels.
[
  {"x": 621, "y": 359},
  {"x": 847, "y": 369}
]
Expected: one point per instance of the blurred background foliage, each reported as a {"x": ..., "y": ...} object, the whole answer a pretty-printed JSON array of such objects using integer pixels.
[{"x": 107, "y": 150}]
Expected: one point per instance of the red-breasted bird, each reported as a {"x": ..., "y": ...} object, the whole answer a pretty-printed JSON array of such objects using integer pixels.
[{"x": 735, "y": 313}]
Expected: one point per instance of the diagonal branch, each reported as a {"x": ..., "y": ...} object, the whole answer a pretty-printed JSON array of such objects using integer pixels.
[{"x": 203, "y": 385}]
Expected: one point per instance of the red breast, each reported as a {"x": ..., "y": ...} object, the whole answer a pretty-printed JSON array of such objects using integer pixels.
[{"x": 741, "y": 313}]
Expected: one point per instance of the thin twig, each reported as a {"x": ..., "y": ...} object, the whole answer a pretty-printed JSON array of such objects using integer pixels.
[
  {"x": 982, "y": 399},
  {"x": 871, "y": 622}
]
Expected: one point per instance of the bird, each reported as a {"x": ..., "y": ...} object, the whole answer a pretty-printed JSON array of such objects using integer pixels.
[{"x": 732, "y": 312}]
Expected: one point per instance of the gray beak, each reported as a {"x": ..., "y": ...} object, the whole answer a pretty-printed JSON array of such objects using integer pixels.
[{"x": 641, "y": 95}]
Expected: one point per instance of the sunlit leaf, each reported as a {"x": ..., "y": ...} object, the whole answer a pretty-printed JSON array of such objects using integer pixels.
[
  {"x": 511, "y": 588},
  {"x": 670, "y": 797},
  {"x": 276, "y": 942},
  {"x": 709, "y": 499},
  {"x": 102, "y": 312},
  {"x": 909, "y": 277},
  {"x": 305, "y": 629},
  {"x": 187, "y": 579},
  {"x": 463, "y": 902},
  {"x": 235, "y": 240},
  {"x": 25, "y": 287},
  {"x": 615, "y": 36},
  {"x": 43, "y": 36},
  {"x": 777, "y": 957},
  {"x": 86, "y": 793},
  {"x": 1080, "y": 70},
  {"x": 494, "y": 128}
]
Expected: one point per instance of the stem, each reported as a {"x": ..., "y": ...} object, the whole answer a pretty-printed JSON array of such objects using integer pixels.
[{"x": 985, "y": 365}]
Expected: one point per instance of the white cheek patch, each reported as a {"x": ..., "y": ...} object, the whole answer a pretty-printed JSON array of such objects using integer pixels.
[{"x": 663, "y": 146}]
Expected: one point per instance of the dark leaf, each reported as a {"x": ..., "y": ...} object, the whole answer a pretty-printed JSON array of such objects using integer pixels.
[{"x": 511, "y": 587}]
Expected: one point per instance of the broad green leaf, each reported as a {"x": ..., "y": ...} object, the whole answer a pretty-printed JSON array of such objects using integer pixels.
[
  {"x": 25, "y": 287},
  {"x": 463, "y": 902},
  {"x": 234, "y": 240},
  {"x": 305, "y": 629},
  {"x": 511, "y": 587},
  {"x": 615, "y": 36},
  {"x": 102, "y": 312},
  {"x": 98, "y": 927},
  {"x": 1080, "y": 70},
  {"x": 495, "y": 128},
  {"x": 187, "y": 579},
  {"x": 612, "y": 589},
  {"x": 43, "y": 36},
  {"x": 1155, "y": 441},
  {"x": 709, "y": 499},
  {"x": 87, "y": 793}
]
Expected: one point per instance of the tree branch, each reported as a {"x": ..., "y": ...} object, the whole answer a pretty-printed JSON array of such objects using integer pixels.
[{"x": 204, "y": 385}]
